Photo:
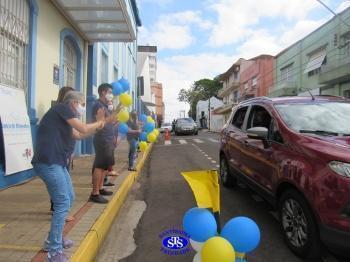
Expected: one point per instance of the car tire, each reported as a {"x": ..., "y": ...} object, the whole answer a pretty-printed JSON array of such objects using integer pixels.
[
  {"x": 196, "y": 133},
  {"x": 297, "y": 221},
  {"x": 226, "y": 177}
]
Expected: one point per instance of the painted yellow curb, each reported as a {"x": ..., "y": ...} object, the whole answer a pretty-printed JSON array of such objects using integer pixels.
[{"x": 89, "y": 247}]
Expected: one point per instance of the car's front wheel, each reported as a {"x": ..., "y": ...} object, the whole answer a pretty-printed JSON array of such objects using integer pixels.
[
  {"x": 226, "y": 176},
  {"x": 298, "y": 225}
]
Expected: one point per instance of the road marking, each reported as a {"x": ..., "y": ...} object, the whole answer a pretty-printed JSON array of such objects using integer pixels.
[
  {"x": 2, "y": 225},
  {"x": 213, "y": 140},
  {"x": 213, "y": 161},
  {"x": 218, "y": 166},
  {"x": 257, "y": 198},
  {"x": 197, "y": 140},
  {"x": 182, "y": 141},
  {"x": 209, "y": 158},
  {"x": 167, "y": 142}
]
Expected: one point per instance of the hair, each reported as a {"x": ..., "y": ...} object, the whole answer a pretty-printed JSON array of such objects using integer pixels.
[
  {"x": 104, "y": 87},
  {"x": 73, "y": 96},
  {"x": 63, "y": 91}
]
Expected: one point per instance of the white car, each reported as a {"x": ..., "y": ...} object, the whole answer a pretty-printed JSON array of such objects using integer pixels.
[{"x": 165, "y": 126}]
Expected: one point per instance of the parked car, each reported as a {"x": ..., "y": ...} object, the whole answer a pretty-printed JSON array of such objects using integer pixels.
[
  {"x": 165, "y": 126},
  {"x": 186, "y": 126},
  {"x": 295, "y": 152}
]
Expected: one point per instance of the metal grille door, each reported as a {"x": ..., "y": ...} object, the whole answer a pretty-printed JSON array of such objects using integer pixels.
[
  {"x": 70, "y": 64},
  {"x": 14, "y": 38}
]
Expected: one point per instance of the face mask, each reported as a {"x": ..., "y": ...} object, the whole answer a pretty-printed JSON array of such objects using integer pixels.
[
  {"x": 81, "y": 110},
  {"x": 109, "y": 97},
  {"x": 110, "y": 107}
]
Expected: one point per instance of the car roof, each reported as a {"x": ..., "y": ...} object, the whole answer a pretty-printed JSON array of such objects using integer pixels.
[{"x": 295, "y": 99}]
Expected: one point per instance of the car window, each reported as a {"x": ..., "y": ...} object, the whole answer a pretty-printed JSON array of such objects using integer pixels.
[
  {"x": 238, "y": 118},
  {"x": 274, "y": 134},
  {"x": 259, "y": 117},
  {"x": 185, "y": 120}
]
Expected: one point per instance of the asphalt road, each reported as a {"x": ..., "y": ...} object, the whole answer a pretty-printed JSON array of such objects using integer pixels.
[{"x": 163, "y": 196}]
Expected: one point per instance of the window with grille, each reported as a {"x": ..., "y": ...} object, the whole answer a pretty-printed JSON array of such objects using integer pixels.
[
  {"x": 69, "y": 64},
  {"x": 14, "y": 40},
  {"x": 287, "y": 73}
]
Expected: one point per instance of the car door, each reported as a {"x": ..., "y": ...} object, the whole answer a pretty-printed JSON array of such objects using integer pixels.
[
  {"x": 257, "y": 160},
  {"x": 234, "y": 136}
]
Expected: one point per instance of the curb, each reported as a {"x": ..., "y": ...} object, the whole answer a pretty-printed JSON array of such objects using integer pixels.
[{"x": 89, "y": 247}]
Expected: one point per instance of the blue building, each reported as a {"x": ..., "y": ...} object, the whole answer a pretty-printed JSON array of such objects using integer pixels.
[{"x": 45, "y": 45}]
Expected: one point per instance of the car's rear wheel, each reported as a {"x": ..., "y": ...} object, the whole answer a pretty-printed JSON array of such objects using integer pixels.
[
  {"x": 226, "y": 176},
  {"x": 298, "y": 225}
]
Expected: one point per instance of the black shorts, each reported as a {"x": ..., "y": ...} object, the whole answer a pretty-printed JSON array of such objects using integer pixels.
[{"x": 104, "y": 154}]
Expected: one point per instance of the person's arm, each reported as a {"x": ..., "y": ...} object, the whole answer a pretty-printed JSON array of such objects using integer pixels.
[{"x": 88, "y": 129}]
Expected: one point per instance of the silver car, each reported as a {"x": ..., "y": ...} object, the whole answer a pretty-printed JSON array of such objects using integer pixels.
[{"x": 186, "y": 126}]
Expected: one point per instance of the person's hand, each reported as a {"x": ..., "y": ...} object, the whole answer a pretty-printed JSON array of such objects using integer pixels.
[
  {"x": 119, "y": 108},
  {"x": 100, "y": 115}
]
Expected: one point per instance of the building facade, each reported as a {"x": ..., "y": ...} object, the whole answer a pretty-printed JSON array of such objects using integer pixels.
[
  {"x": 45, "y": 45},
  {"x": 206, "y": 116},
  {"x": 257, "y": 78},
  {"x": 157, "y": 91},
  {"x": 147, "y": 71},
  {"x": 230, "y": 93},
  {"x": 319, "y": 62}
]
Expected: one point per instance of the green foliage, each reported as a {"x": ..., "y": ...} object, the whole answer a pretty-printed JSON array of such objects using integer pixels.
[{"x": 201, "y": 89}]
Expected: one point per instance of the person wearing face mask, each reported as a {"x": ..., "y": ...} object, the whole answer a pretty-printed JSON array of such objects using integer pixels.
[
  {"x": 61, "y": 94},
  {"x": 57, "y": 129},
  {"x": 104, "y": 145}
]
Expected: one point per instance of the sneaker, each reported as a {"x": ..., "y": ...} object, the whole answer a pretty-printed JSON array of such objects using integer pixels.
[
  {"x": 66, "y": 243},
  {"x": 105, "y": 192},
  {"x": 108, "y": 184},
  {"x": 57, "y": 257},
  {"x": 98, "y": 199},
  {"x": 132, "y": 169}
]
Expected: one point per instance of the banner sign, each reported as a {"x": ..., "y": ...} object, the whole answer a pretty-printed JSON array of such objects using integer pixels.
[{"x": 16, "y": 130}]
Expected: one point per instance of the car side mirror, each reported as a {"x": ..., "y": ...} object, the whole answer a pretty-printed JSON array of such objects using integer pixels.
[{"x": 259, "y": 133}]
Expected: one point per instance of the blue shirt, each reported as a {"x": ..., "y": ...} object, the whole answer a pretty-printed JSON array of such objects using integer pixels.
[
  {"x": 107, "y": 133},
  {"x": 55, "y": 136}
]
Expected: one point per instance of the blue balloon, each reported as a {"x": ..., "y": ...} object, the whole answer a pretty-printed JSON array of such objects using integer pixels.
[
  {"x": 149, "y": 127},
  {"x": 125, "y": 84},
  {"x": 123, "y": 128},
  {"x": 200, "y": 224},
  {"x": 143, "y": 136},
  {"x": 143, "y": 118},
  {"x": 243, "y": 234},
  {"x": 117, "y": 88}
]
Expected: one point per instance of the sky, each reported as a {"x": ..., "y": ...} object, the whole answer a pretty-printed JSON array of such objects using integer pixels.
[{"x": 202, "y": 38}]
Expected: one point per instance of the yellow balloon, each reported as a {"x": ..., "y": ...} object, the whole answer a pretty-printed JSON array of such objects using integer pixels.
[
  {"x": 125, "y": 99},
  {"x": 143, "y": 146},
  {"x": 123, "y": 116},
  {"x": 150, "y": 119},
  {"x": 217, "y": 249},
  {"x": 156, "y": 131},
  {"x": 151, "y": 137}
]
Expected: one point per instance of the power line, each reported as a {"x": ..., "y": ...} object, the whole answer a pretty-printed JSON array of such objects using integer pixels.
[{"x": 334, "y": 13}]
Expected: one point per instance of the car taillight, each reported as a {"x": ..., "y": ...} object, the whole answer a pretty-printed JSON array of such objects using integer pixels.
[{"x": 340, "y": 168}]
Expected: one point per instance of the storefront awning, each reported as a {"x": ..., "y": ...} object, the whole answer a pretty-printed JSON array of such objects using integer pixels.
[
  {"x": 315, "y": 61},
  {"x": 102, "y": 20}
]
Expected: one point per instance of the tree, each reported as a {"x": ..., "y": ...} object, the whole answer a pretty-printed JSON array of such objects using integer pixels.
[{"x": 201, "y": 89}]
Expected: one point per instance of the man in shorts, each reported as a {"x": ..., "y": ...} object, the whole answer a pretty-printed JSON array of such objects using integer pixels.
[{"x": 103, "y": 144}]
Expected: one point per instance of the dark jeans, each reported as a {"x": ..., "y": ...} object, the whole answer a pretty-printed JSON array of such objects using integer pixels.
[{"x": 132, "y": 151}]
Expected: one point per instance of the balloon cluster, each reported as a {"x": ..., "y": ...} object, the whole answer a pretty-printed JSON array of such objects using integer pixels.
[
  {"x": 149, "y": 132},
  {"x": 120, "y": 88},
  {"x": 239, "y": 236}
]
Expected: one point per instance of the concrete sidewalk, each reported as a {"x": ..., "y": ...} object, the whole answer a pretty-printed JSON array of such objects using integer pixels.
[{"x": 25, "y": 215}]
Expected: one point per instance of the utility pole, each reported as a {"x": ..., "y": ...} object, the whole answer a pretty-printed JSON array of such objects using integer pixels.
[{"x": 209, "y": 109}]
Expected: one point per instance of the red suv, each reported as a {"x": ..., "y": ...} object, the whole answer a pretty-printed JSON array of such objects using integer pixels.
[{"x": 295, "y": 152}]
